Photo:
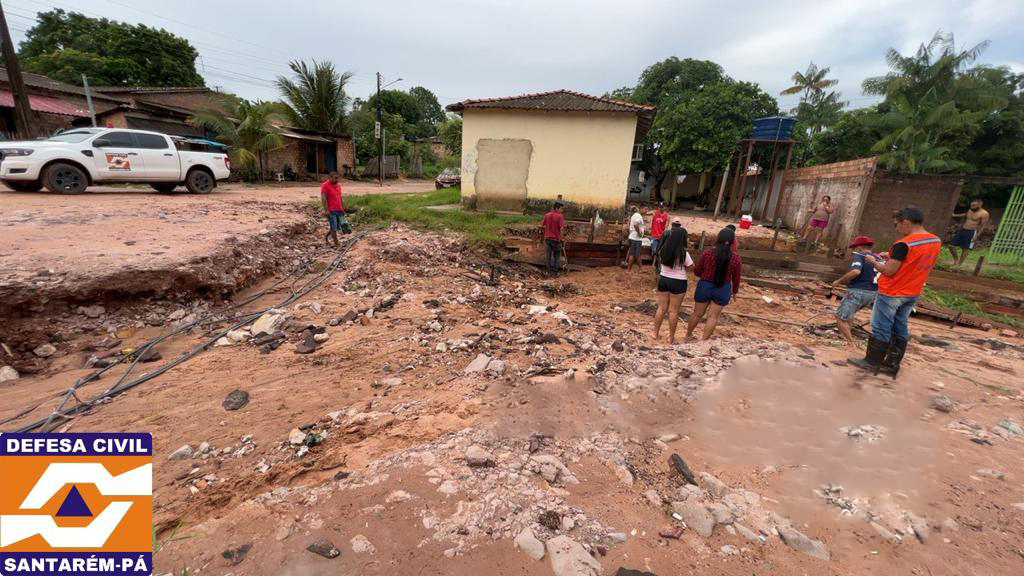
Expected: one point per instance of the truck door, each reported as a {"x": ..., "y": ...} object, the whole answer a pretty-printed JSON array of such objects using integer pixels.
[
  {"x": 116, "y": 156},
  {"x": 160, "y": 157}
]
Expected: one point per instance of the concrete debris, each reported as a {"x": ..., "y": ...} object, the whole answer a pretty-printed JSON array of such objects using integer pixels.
[
  {"x": 551, "y": 469},
  {"x": 865, "y": 432},
  {"x": 919, "y": 526},
  {"x": 478, "y": 365},
  {"x": 45, "y": 350},
  {"x": 529, "y": 544},
  {"x": 271, "y": 321},
  {"x": 1011, "y": 427},
  {"x": 673, "y": 532},
  {"x": 714, "y": 486},
  {"x": 361, "y": 545},
  {"x": 728, "y": 550},
  {"x": 942, "y": 403},
  {"x": 8, "y": 373},
  {"x": 182, "y": 453},
  {"x": 398, "y": 496},
  {"x": 569, "y": 558},
  {"x": 223, "y": 341},
  {"x": 94, "y": 311},
  {"x": 991, "y": 473},
  {"x": 476, "y": 455},
  {"x": 238, "y": 336},
  {"x": 296, "y": 437},
  {"x": 696, "y": 517}
]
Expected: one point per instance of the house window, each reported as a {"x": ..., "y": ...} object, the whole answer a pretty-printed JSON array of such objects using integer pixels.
[{"x": 638, "y": 152}]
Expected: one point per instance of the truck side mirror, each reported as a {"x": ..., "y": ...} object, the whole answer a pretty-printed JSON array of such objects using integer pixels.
[{"x": 100, "y": 143}]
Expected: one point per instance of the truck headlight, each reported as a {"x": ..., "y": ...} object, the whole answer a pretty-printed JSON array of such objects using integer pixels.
[{"x": 17, "y": 151}]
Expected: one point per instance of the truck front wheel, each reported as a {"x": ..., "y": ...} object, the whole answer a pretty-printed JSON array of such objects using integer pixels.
[
  {"x": 165, "y": 187},
  {"x": 24, "y": 185},
  {"x": 199, "y": 181},
  {"x": 65, "y": 179}
]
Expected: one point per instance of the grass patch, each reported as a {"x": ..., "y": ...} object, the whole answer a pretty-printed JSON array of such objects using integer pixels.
[
  {"x": 963, "y": 304},
  {"x": 482, "y": 229},
  {"x": 999, "y": 266}
]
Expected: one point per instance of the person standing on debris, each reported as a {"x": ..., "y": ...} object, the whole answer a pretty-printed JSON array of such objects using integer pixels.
[
  {"x": 819, "y": 218},
  {"x": 658, "y": 224},
  {"x": 636, "y": 238},
  {"x": 902, "y": 279},
  {"x": 860, "y": 286},
  {"x": 330, "y": 198},
  {"x": 552, "y": 226},
  {"x": 719, "y": 273},
  {"x": 975, "y": 221},
  {"x": 675, "y": 262}
]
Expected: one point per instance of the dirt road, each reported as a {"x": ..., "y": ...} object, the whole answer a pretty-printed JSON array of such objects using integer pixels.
[{"x": 444, "y": 415}]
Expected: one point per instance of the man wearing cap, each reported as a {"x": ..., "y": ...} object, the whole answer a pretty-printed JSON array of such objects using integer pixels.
[
  {"x": 552, "y": 226},
  {"x": 658, "y": 224},
  {"x": 860, "y": 286},
  {"x": 901, "y": 281}
]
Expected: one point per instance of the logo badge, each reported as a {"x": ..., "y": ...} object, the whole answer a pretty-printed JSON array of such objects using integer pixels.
[{"x": 78, "y": 503}]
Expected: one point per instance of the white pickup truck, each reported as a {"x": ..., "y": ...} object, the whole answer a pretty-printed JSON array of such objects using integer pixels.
[{"x": 71, "y": 161}]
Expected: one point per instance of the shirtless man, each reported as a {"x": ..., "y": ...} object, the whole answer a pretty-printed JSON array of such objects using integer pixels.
[{"x": 975, "y": 221}]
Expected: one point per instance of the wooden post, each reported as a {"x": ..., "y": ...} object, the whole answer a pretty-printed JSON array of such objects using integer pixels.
[
  {"x": 775, "y": 236},
  {"x": 977, "y": 267},
  {"x": 743, "y": 179},
  {"x": 735, "y": 181},
  {"x": 721, "y": 189},
  {"x": 703, "y": 235},
  {"x": 782, "y": 185}
]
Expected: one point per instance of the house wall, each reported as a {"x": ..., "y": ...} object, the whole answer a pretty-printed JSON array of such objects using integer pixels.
[
  {"x": 583, "y": 157},
  {"x": 294, "y": 153},
  {"x": 845, "y": 182},
  {"x": 935, "y": 195},
  {"x": 346, "y": 154}
]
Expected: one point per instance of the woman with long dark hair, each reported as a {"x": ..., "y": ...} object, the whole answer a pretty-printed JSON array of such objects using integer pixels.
[
  {"x": 719, "y": 273},
  {"x": 675, "y": 261}
]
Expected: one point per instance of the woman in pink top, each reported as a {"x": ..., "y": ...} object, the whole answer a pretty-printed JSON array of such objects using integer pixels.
[{"x": 675, "y": 261}]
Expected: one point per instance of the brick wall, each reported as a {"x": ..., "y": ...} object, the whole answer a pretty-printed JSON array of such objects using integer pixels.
[
  {"x": 935, "y": 195},
  {"x": 50, "y": 123},
  {"x": 844, "y": 182},
  {"x": 346, "y": 154},
  {"x": 293, "y": 153}
]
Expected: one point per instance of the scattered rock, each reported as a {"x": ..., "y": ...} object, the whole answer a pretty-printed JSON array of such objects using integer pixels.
[
  {"x": 990, "y": 473},
  {"x": 223, "y": 341},
  {"x": 269, "y": 322},
  {"x": 720, "y": 512},
  {"x": 182, "y": 453},
  {"x": 713, "y": 485},
  {"x": 320, "y": 338},
  {"x": 204, "y": 448},
  {"x": 551, "y": 469},
  {"x": 919, "y": 526},
  {"x": 696, "y": 516},
  {"x": 238, "y": 336},
  {"x": 950, "y": 524},
  {"x": 150, "y": 354},
  {"x": 235, "y": 400},
  {"x": 680, "y": 466},
  {"x": 529, "y": 544},
  {"x": 94, "y": 311},
  {"x": 569, "y": 558},
  {"x": 728, "y": 550},
  {"x": 360, "y": 545},
  {"x": 674, "y": 532},
  {"x": 8, "y": 373},
  {"x": 653, "y": 497},
  {"x": 398, "y": 496},
  {"x": 617, "y": 537},
  {"x": 618, "y": 346},
  {"x": 550, "y": 520},
  {"x": 630, "y": 572},
  {"x": 1009, "y": 425},
  {"x": 324, "y": 548},
  {"x": 45, "y": 350},
  {"x": 1007, "y": 333},
  {"x": 747, "y": 533},
  {"x": 942, "y": 403},
  {"x": 667, "y": 438},
  {"x": 883, "y": 531},
  {"x": 496, "y": 367},
  {"x": 296, "y": 437},
  {"x": 234, "y": 556},
  {"x": 478, "y": 365},
  {"x": 476, "y": 455},
  {"x": 308, "y": 344},
  {"x": 801, "y": 543}
]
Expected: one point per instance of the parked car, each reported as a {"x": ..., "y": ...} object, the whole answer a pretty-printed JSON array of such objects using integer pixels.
[
  {"x": 448, "y": 178},
  {"x": 71, "y": 161}
]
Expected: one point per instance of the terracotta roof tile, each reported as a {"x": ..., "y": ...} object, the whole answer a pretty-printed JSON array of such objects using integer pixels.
[{"x": 558, "y": 100}]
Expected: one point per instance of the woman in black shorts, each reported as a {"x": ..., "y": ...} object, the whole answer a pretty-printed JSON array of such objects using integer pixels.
[
  {"x": 675, "y": 261},
  {"x": 718, "y": 271}
]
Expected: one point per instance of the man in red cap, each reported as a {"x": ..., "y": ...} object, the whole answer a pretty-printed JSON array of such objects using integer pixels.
[{"x": 861, "y": 286}]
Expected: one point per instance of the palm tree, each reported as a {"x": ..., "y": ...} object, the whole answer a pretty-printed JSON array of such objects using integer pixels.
[
  {"x": 248, "y": 128},
  {"x": 934, "y": 67},
  {"x": 820, "y": 111},
  {"x": 315, "y": 97},
  {"x": 810, "y": 82}
]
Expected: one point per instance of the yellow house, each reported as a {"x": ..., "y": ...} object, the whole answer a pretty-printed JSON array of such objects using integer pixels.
[{"x": 523, "y": 152}]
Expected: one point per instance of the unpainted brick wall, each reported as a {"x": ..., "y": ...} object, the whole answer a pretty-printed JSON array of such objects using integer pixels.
[
  {"x": 842, "y": 181},
  {"x": 935, "y": 195}
]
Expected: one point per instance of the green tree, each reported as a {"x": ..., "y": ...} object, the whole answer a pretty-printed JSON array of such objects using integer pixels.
[
  {"x": 363, "y": 119},
  {"x": 810, "y": 82},
  {"x": 451, "y": 134},
  {"x": 431, "y": 115},
  {"x": 850, "y": 137},
  {"x": 315, "y": 96},
  {"x": 248, "y": 128},
  {"x": 64, "y": 45},
  {"x": 934, "y": 106},
  {"x": 819, "y": 111}
]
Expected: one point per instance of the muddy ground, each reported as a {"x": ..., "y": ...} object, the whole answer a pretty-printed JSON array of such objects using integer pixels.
[{"x": 419, "y": 418}]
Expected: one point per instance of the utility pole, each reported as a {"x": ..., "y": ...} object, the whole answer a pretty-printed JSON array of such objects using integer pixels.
[
  {"x": 88, "y": 99},
  {"x": 380, "y": 135},
  {"x": 22, "y": 110}
]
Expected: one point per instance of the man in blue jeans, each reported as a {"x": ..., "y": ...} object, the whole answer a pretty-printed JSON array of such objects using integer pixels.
[
  {"x": 551, "y": 227},
  {"x": 901, "y": 281}
]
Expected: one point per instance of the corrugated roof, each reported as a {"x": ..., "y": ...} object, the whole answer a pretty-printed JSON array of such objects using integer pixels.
[
  {"x": 45, "y": 104},
  {"x": 558, "y": 100},
  {"x": 152, "y": 89},
  {"x": 39, "y": 81}
]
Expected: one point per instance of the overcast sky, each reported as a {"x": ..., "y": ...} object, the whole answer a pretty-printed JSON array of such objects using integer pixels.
[{"x": 486, "y": 48}]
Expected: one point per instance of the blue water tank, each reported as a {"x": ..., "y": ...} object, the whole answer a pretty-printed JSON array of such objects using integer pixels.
[{"x": 773, "y": 128}]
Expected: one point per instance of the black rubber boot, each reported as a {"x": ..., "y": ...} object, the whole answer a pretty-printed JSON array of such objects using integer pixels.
[
  {"x": 894, "y": 357},
  {"x": 874, "y": 356}
]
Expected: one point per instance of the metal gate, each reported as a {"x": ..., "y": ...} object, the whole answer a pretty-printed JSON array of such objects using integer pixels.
[{"x": 1009, "y": 238}]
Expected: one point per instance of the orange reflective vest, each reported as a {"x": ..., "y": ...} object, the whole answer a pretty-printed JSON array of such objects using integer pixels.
[{"x": 924, "y": 249}]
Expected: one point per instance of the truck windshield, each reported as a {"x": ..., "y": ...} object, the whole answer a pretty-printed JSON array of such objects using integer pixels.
[{"x": 72, "y": 137}]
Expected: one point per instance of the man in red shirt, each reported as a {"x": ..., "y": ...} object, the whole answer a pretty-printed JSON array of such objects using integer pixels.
[
  {"x": 658, "y": 224},
  {"x": 552, "y": 226},
  {"x": 330, "y": 197},
  {"x": 901, "y": 281}
]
